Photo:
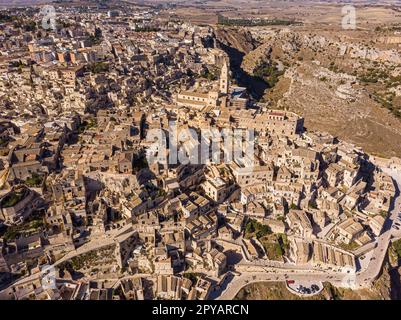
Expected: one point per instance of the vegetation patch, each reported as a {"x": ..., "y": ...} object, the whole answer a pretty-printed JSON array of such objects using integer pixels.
[
  {"x": 269, "y": 73},
  {"x": 349, "y": 247},
  {"x": 32, "y": 225},
  {"x": 193, "y": 276},
  {"x": 35, "y": 180},
  {"x": 12, "y": 199},
  {"x": 276, "y": 246},
  {"x": 98, "y": 67},
  {"x": 255, "y": 22},
  {"x": 254, "y": 228},
  {"x": 396, "y": 248},
  {"x": 87, "y": 125}
]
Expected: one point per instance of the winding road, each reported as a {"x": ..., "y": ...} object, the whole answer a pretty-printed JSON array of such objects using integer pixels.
[
  {"x": 230, "y": 288},
  {"x": 275, "y": 273}
]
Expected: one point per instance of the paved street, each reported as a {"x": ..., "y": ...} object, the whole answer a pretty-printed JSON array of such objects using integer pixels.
[
  {"x": 276, "y": 271},
  {"x": 232, "y": 289},
  {"x": 362, "y": 279},
  {"x": 87, "y": 247},
  {"x": 365, "y": 278}
]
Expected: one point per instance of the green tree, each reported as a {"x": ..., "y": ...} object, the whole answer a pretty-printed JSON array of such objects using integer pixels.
[
  {"x": 279, "y": 250},
  {"x": 250, "y": 227}
]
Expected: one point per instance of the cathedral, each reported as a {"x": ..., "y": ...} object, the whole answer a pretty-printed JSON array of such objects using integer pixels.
[{"x": 216, "y": 97}]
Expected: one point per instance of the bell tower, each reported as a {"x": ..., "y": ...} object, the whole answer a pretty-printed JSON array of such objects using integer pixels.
[{"x": 224, "y": 80}]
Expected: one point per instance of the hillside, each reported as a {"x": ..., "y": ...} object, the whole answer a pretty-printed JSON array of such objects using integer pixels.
[{"x": 338, "y": 84}]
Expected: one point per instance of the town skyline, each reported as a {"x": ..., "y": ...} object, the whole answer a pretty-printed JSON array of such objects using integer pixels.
[{"x": 200, "y": 151}]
